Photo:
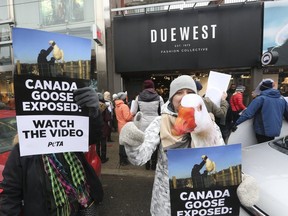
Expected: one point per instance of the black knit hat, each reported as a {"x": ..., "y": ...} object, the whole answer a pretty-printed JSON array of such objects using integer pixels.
[{"x": 268, "y": 84}]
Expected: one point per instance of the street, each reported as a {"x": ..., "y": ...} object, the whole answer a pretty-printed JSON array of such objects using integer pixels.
[
  {"x": 127, "y": 189},
  {"x": 126, "y": 195}
]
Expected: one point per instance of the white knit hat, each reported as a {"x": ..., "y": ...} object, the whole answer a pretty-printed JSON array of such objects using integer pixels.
[
  {"x": 182, "y": 82},
  {"x": 114, "y": 96},
  {"x": 240, "y": 88},
  {"x": 122, "y": 95},
  {"x": 107, "y": 95}
]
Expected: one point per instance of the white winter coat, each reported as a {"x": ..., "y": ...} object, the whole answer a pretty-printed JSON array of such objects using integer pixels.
[{"x": 139, "y": 155}]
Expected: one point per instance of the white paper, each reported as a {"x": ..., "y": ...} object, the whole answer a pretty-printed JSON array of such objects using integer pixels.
[
  {"x": 44, "y": 134},
  {"x": 217, "y": 84},
  {"x": 134, "y": 107}
]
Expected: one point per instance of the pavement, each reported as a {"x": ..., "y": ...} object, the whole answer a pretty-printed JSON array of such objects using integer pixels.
[
  {"x": 127, "y": 189},
  {"x": 112, "y": 166}
]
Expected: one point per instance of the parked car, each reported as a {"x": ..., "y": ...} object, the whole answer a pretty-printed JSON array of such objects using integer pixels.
[
  {"x": 267, "y": 163},
  {"x": 8, "y": 130}
]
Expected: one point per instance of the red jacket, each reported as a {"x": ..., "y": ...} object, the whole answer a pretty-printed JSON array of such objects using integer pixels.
[{"x": 236, "y": 102}]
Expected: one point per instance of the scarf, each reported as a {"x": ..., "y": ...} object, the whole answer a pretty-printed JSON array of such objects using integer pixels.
[
  {"x": 66, "y": 188},
  {"x": 168, "y": 140}
]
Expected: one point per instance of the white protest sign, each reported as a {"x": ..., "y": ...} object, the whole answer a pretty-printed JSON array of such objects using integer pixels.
[
  {"x": 41, "y": 134},
  {"x": 134, "y": 107},
  {"x": 48, "y": 119},
  {"x": 217, "y": 84}
]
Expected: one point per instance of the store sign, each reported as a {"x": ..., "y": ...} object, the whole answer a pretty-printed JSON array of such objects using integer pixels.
[
  {"x": 269, "y": 58},
  {"x": 211, "y": 37},
  {"x": 275, "y": 34}
]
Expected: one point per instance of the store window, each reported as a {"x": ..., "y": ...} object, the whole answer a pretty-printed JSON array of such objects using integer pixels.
[{"x": 54, "y": 12}]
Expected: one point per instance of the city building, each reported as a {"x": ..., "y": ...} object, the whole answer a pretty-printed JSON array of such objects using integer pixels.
[{"x": 97, "y": 20}]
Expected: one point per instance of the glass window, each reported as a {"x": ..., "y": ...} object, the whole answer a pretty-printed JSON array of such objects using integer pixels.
[
  {"x": 5, "y": 55},
  {"x": 4, "y": 15},
  {"x": 61, "y": 11},
  {"x": 4, "y": 32}
]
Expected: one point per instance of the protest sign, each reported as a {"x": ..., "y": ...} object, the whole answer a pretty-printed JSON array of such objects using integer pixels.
[
  {"x": 47, "y": 72},
  {"x": 203, "y": 181},
  {"x": 48, "y": 119},
  {"x": 217, "y": 84}
]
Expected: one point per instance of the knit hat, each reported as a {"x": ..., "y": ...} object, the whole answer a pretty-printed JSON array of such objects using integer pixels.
[
  {"x": 114, "y": 96},
  {"x": 148, "y": 84},
  {"x": 240, "y": 88},
  {"x": 266, "y": 84},
  {"x": 182, "y": 82},
  {"x": 107, "y": 95},
  {"x": 122, "y": 95}
]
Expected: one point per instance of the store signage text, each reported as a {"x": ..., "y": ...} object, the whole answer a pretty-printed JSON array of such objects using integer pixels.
[{"x": 169, "y": 35}]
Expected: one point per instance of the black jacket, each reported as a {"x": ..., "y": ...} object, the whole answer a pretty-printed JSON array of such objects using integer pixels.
[{"x": 24, "y": 179}]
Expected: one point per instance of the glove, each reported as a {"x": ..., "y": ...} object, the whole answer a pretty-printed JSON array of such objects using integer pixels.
[
  {"x": 234, "y": 128},
  {"x": 248, "y": 191},
  {"x": 130, "y": 133},
  {"x": 86, "y": 97}
]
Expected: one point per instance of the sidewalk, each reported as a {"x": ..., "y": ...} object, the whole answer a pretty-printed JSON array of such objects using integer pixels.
[{"x": 112, "y": 167}]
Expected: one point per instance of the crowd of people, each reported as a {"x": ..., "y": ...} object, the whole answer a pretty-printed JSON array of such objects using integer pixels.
[{"x": 145, "y": 133}]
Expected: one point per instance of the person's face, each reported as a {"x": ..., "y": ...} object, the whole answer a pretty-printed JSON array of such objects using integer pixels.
[{"x": 176, "y": 100}]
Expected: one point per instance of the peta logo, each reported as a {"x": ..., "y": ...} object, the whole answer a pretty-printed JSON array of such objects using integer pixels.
[{"x": 55, "y": 144}]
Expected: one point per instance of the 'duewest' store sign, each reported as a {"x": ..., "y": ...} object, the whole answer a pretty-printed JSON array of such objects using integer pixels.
[{"x": 212, "y": 37}]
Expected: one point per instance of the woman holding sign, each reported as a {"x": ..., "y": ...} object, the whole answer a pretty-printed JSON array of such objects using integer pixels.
[
  {"x": 58, "y": 184},
  {"x": 140, "y": 145}
]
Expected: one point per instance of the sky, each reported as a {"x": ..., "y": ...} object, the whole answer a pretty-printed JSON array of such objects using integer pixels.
[
  {"x": 181, "y": 161},
  {"x": 275, "y": 21},
  {"x": 27, "y": 44}
]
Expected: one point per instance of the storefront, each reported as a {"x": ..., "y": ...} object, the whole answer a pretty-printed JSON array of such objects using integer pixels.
[{"x": 194, "y": 41}]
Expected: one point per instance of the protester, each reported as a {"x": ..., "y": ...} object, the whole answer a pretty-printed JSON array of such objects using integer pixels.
[
  {"x": 114, "y": 120},
  {"x": 236, "y": 103},
  {"x": 219, "y": 113},
  {"x": 140, "y": 145},
  {"x": 230, "y": 91},
  {"x": 229, "y": 114},
  {"x": 60, "y": 184},
  {"x": 149, "y": 103},
  {"x": 123, "y": 116},
  {"x": 108, "y": 102},
  {"x": 101, "y": 142},
  {"x": 267, "y": 109}
]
